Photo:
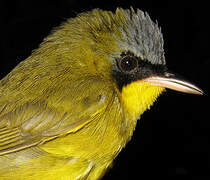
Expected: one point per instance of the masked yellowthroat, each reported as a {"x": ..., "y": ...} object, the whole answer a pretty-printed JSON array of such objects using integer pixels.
[{"x": 69, "y": 108}]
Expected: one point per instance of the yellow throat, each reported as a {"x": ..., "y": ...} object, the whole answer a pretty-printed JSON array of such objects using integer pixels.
[{"x": 138, "y": 96}]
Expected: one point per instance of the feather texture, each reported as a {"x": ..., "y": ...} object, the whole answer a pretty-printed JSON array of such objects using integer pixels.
[{"x": 62, "y": 115}]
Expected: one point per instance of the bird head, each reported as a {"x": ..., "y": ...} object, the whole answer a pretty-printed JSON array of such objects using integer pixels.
[{"x": 124, "y": 49}]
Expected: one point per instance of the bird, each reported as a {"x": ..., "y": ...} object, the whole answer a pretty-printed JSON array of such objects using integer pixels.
[{"x": 68, "y": 109}]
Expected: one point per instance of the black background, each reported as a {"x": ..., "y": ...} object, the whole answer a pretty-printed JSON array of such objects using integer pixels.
[{"x": 172, "y": 139}]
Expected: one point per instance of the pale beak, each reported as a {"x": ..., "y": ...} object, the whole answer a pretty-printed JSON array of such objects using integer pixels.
[{"x": 172, "y": 82}]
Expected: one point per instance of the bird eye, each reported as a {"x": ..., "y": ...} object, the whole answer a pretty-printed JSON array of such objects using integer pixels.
[{"x": 128, "y": 64}]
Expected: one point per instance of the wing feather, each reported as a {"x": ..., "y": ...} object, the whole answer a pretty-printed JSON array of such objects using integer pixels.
[{"x": 36, "y": 122}]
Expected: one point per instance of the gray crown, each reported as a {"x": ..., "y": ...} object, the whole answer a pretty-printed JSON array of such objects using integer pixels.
[{"x": 143, "y": 37}]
